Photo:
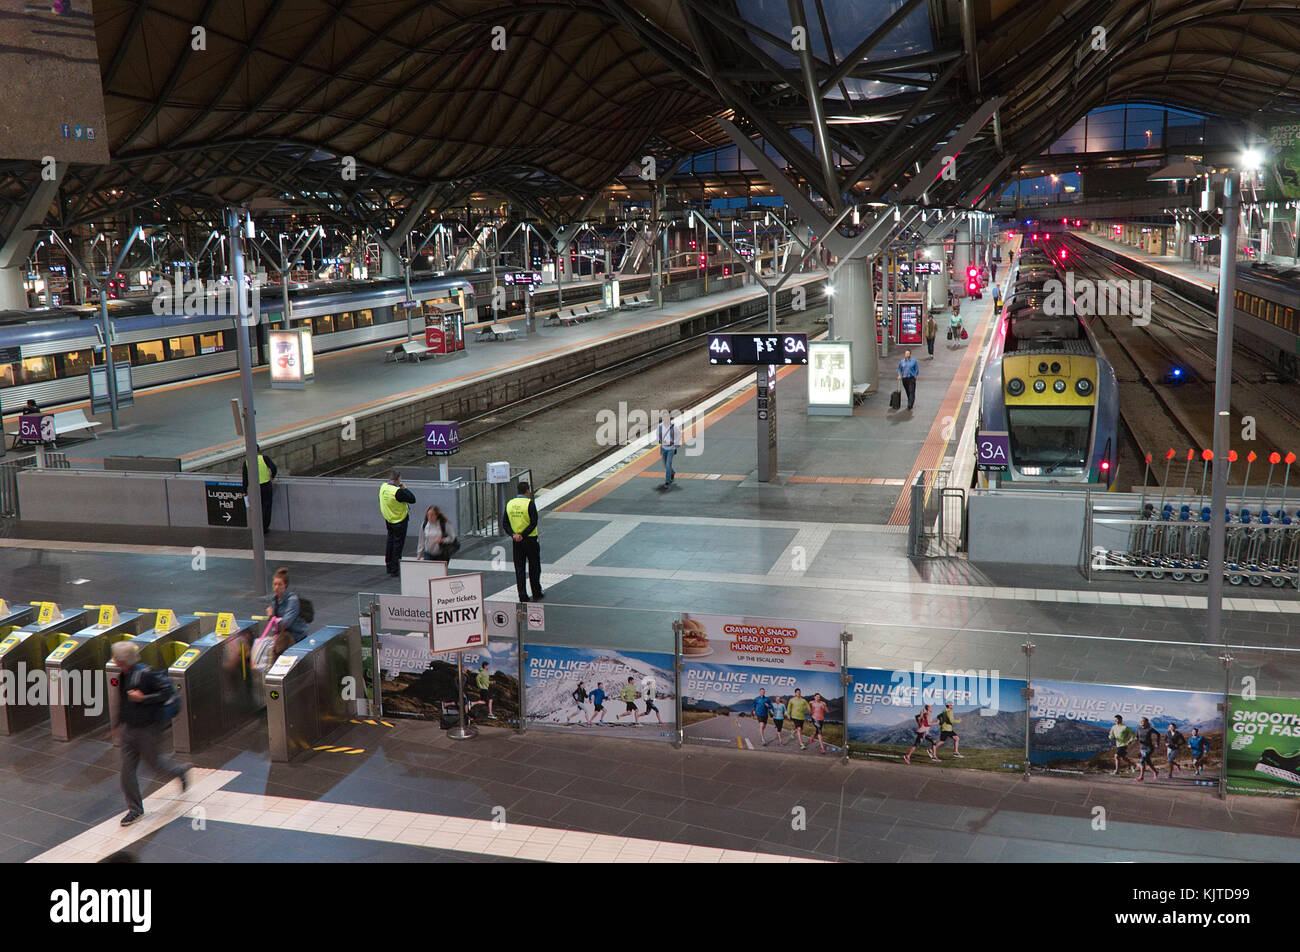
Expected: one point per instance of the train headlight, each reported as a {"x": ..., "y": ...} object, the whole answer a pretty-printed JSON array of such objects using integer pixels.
[
  {"x": 1056, "y": 367},
  {"x": 1042, "y": 367},
  {"x": 1015, "y": 386},
  {"x": 1083, "y": 386},
  {"x": 1059, "y": 386},
  {"x": 1040, "y": 386}
]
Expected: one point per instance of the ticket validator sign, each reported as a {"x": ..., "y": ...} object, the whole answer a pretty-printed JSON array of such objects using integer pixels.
[
  {"x": 456, "y": 606},
  {"x": 830, "y": 378}
]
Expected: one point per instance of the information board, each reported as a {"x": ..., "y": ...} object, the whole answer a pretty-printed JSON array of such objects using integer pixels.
[{"x": 756, "y": 349}]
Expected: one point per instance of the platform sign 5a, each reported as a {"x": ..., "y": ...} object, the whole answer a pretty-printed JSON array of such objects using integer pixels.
[
  {"x": 36, "y": 428},
  {"x": 994, "y": 451},
  {"x": 456, "y": 603},
  {"x": 226, "y": 505}
]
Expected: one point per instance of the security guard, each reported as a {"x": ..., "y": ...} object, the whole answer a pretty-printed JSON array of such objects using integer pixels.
[
  {"x": 266, "y": 473},
  {"x": 394, "y": 505},
  {"x": 520, "y": 516}
]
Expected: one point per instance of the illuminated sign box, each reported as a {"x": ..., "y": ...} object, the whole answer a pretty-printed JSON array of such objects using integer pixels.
[
  {"x": 292, "y": 361},
  {"x": 830, "y": 378}
]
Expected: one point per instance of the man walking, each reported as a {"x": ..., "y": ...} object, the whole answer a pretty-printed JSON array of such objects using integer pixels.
[
  {"x": 266, "y": 473},
  {"x": 395, "y": 506},
  {"x": 520, "y": 520},
  {"x": 670, "y": 437},
  {"x": 140, "y": 724},
  {"x": 907, "y": 371}
]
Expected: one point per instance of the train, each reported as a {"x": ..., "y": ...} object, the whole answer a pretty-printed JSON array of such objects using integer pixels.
[
  {"x": 1266, "y": 303},
  {"x": 1047, "y": 386},
  {"x": 46, "y": 354}
]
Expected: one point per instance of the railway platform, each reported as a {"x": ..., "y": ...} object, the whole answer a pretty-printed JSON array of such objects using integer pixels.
[
  {"x": 192, "y": 420},
  {"x": 1179, "y": 268}
]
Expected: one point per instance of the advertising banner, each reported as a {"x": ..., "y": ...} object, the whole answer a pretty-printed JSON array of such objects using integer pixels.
[
  {"x": 743, "y": 675},
  {"x": 988, "y": 716},
  {"x": 1282, "y": 173},
  {"x": 610, "y": 692},
  {"x": 1070, "y": 727},
  {"x": 830, "y": 375},
  {"x": 415, "y": 682},
  {"x": 1264, "y": 746}
]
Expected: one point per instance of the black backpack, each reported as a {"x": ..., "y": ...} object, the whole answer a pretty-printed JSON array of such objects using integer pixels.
[
  {"x": 305, "y": 610},
  {"x": 171, "y": 706}
]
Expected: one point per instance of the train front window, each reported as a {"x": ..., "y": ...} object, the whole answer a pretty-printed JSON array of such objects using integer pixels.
[{"x": 1049, "y": 440}]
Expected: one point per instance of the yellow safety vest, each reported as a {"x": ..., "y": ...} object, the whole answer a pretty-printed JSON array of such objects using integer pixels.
[
  {"x": 263, "y": 471},
  {"x": 392, "y": 510},
  {"x": 517, "y": 510}
]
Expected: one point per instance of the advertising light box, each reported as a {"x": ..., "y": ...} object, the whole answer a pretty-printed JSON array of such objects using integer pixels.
[
  {"x": 830, "y": 378},
  {"x": 292, "y": 361}
]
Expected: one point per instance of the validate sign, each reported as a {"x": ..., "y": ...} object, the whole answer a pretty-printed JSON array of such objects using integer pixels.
[{"x": 456, "y": 607}]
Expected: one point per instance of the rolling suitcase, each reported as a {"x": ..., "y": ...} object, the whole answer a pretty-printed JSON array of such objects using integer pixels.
[{"x": 895, "y": 400}]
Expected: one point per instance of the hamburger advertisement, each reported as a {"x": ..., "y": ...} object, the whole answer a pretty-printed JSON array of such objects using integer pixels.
[{"x": 741, "y": 673}]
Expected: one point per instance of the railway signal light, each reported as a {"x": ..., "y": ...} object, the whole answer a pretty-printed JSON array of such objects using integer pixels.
[
  {"x": 1275, "y": 457},
  {"x": 1289, "y": 458}
]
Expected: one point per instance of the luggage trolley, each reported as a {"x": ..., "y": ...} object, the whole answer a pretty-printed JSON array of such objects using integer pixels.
[{"x": 25, "y": 650}]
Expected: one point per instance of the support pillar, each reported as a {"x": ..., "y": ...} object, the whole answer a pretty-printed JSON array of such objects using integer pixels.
[
  {"x": 961, "y": 257},
  {"x": 855, "y": 318},
  {"x": 938, "y": 282},
  {"x": 13, "y": 295}
]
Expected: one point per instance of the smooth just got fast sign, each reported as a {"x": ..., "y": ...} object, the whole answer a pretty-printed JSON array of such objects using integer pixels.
[{"x": 456, "y": 607}]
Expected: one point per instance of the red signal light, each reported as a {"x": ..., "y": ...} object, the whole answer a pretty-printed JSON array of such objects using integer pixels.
[
  {"x": 1063, "y": 254},
  {"x": 1105, "y": 465},
  {"x": 702, "y": 260}
]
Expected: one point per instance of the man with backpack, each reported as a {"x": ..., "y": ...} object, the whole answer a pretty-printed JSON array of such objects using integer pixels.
[{"x": 149, "y": 701}]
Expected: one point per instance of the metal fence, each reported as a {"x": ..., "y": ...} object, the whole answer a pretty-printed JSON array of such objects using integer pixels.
[
  {"x": 937, "y": 518},
  {"x": 483, "y": 499}
]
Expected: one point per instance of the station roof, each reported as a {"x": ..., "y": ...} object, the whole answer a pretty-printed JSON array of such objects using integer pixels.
[{"x": 418, "y": 94}]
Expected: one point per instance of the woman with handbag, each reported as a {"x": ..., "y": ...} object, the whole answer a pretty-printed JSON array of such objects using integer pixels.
[{"x": 437, "y": 544}]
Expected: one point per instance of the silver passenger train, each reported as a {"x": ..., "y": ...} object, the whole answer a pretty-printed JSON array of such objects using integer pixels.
[{"x": 1049, "y": 387}]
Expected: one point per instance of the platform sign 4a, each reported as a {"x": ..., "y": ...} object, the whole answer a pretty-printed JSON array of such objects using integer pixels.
[
  {"x": 994, "y": 451},
  {"x": 456, "y": 604}
]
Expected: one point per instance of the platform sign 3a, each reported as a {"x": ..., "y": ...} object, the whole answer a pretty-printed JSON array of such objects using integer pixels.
[{"x": 993, "y": 449}]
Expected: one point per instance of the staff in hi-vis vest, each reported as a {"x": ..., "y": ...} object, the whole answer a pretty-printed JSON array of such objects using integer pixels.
[
  {"x": 266, "y": 473},
  {"x": 520, "y": 520},
  {"x": 395, "y": 505}
]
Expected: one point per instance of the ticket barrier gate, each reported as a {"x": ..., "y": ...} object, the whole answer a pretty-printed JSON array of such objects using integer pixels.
[
  {"x": 159, "y": 648},
  {"x": 305, "y": 696},
  {"x": 80, "y": 660},
  {"x": 13, "y": 617},
  {"x": 24, "y": 651},
  {"x": 218, "y": 689}
]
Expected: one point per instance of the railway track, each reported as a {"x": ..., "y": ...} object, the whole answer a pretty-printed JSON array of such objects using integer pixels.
[
  {"x": 490, "y": 426},
  {"x": 1183, "y": 334}
]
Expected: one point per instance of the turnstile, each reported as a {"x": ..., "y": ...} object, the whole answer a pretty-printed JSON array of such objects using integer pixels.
[
  {"x": 307, "y": 695},
  {"x": 218, "y": 689},
  {"x": 159, "y": 647},
  {"x": 24, "y": 651},
  {"x": 13, "y": 617},
  {"x": 77, "y": 666}
]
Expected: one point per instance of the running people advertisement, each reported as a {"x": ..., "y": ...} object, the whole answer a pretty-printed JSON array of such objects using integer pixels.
[
  {"x": 1130, "y": 732},
  {"x": 958, "y": 718},
  {"x": 1264, "y": 746},
  {"x": 762, "y": 684},
  {"x": 608, "y": 692},
  {"x": 415, "y": 682}
]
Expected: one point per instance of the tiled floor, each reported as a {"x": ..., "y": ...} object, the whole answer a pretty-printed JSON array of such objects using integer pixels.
[{"x": 415, "y": 795}]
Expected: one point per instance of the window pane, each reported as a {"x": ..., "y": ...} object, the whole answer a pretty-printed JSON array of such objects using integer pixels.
[
  {"x": 180, "y": 347},
  {"x": 149, "y": 352},
  {"x": 211, "y": 343},
  {"x": 36, "y": 369},
  {"x": 76, "y": 363}
]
